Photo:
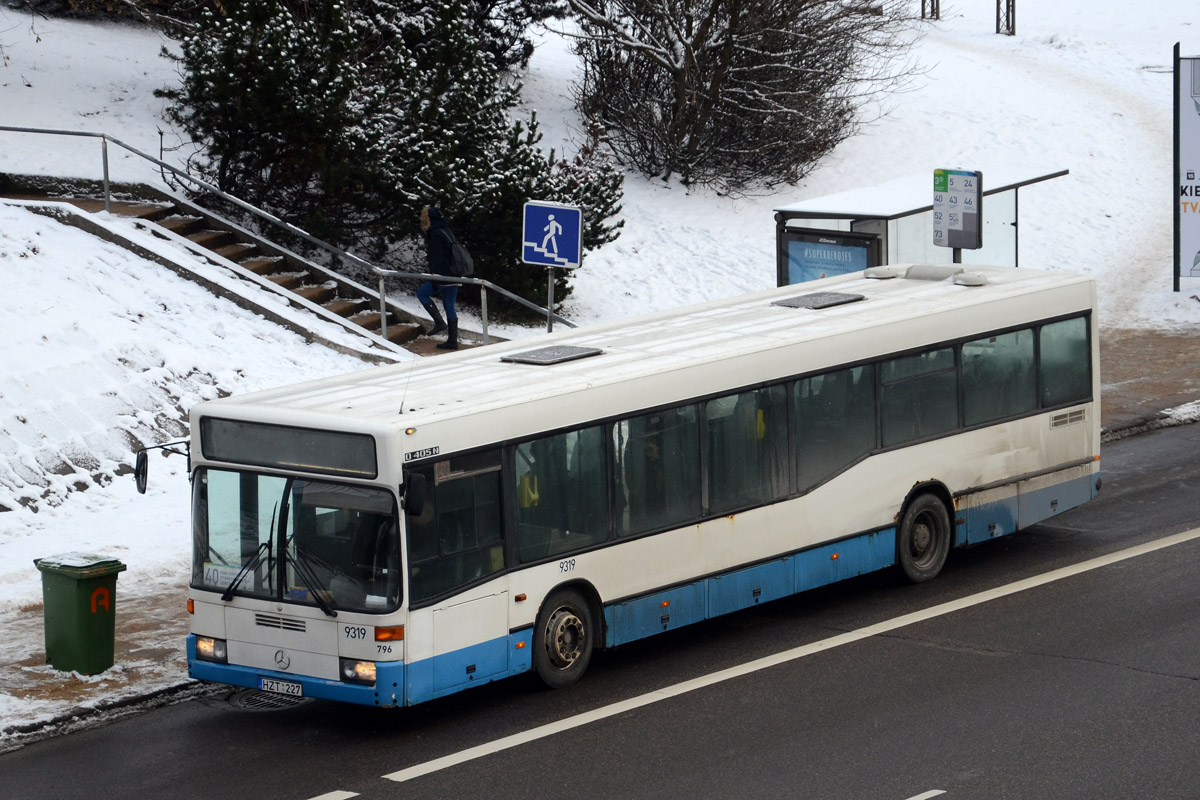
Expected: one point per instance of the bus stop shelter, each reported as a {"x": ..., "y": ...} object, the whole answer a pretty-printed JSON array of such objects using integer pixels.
[{"x": 892, "y": 223}]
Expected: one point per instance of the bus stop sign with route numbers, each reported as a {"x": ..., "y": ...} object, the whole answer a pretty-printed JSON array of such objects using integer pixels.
[
  {"x": 552, "y": 235},
  {"x": 957, "y": 208}
]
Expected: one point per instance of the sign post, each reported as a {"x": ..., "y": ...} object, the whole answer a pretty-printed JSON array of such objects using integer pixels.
[
  {"x": 957, "y": 210},
  {"x": 1187, "y": 168},
  {"x": 552, "y": 236}
]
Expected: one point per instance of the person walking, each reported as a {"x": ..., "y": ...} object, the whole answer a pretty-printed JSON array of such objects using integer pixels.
[{"x": 438, "y": 239}]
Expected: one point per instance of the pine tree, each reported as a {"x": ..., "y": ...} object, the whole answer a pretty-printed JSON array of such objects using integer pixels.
[
  {"x": 503, "y": 26},
  {"x": 348, "y": 121},
  {"x": 276, "y": 105},
  {"x": 589, "y": 181}
]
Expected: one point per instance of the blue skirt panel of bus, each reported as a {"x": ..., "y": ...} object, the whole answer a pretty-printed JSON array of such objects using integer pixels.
[
  {"x": 848, "y": 558},
  {"x": 1022, "y": 509},
  {"x": 662, "y": 611},
  {"x": 988, "y": 521},
  {"x": 635, "y": 619},
  {"x": 748, "y": 587},
  {"x": 389, "y": 680},
  {"x": 1033, "y": 507},
  {"x": 472, "y": 666}
]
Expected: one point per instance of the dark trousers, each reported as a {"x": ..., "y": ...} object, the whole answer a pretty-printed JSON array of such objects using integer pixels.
[{"x": 448, "y": 293}]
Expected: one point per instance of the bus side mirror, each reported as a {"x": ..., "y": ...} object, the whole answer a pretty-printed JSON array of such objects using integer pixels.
[
  {"x": 141, "y": 471},
  {"x": 414, "y": 493},
  {"x": 141, "y": 465}
]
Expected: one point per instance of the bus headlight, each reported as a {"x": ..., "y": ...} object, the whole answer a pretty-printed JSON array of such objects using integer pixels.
[
  {"x": 209, "y": 649},
  {"x": 355, "y": 671}
]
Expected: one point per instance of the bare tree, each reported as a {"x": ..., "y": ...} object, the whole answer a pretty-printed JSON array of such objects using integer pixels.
[
  {"x": 737, "y": 93},
  {"x": 174, "y": 17}
]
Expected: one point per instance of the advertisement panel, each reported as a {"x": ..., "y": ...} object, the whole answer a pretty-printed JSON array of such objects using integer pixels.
[
  {"x": 813, "y": 254},
  {"x": 1187, "y": 167}
]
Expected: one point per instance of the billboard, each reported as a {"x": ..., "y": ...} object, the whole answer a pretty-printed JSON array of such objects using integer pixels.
[
  {"x": 1187, "y": 167},
  {"x": 810, "y": 254}
]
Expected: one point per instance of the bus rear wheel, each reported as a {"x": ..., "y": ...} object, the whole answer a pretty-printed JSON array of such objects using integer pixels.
[
  {"x": 924, "y": 539},
  {"x": 563, "y": 639}
]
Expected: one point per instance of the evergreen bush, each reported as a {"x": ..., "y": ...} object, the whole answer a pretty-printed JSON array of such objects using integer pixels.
[{"x": 345, "y": 118}]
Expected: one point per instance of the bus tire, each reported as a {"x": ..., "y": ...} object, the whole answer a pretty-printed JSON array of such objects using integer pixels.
[
  {"x": 924, "y": 538},
  {"x": 563, "y": 638}
]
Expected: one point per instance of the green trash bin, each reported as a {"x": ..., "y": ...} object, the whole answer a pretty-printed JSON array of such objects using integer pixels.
[{"x": 79, "y": 604}]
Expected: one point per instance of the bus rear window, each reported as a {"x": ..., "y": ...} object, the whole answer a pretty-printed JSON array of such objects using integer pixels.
[
  {"x": 1065, "y": 363},
  {"x": 285, "y": 447}
]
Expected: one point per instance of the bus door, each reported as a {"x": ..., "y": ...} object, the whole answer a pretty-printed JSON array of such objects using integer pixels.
[{"x": 454, "y": 546}]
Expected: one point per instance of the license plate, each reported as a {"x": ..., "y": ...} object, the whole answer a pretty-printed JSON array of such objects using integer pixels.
[{"x": 281, "y": 687}]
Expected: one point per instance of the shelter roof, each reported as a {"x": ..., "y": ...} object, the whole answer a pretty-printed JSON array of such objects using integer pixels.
[{"x": 906, "y": 196}]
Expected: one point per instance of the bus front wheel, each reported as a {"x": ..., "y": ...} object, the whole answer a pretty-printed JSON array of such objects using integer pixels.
[
  {"x": 563, "y": 639},
  {"x": 924, "y": 539}
]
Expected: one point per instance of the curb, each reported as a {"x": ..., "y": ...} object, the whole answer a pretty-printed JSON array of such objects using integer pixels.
[
  {"x": 1139, "y": 426},
  {"x": 82, "y": 718}
]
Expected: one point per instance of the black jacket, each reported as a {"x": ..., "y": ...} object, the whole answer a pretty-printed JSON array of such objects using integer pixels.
[{"x": 437, "y": 244}]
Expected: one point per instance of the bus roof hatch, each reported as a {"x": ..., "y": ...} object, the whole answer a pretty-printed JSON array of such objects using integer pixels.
[
  {"x": 819, "y": 300},
  {"x": 555, "y": 354}
]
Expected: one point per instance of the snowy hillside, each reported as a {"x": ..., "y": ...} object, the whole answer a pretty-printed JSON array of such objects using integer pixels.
[
  {"x": 110, "y": 352},
  {"x": 1085, "y": 86}
]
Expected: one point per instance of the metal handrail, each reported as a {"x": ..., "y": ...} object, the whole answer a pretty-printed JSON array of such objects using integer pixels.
[
  {"x": 271, "y": 218},
  {"x": 242, "y": 204},
  {"x": 425, "y": 276}
]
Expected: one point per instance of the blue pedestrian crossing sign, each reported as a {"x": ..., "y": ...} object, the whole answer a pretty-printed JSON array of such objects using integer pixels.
[{"x": 552, "y": 235}]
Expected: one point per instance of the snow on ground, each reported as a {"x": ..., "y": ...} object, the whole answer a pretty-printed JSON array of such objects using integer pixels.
[
  {"x": 1188, "y": 412},
  {"x": 99, "y": 348},
  {"x": 103, "y": 350},
  {"x": 1086, "y": 86}
]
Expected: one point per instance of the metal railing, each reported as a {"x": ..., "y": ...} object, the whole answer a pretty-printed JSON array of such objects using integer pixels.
[
  {"x": 483, "y": 304},
  {"x": 334, "y": 251}
]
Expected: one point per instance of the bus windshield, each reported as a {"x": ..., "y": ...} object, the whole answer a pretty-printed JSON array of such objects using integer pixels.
[{"x": 296, "y": 540}]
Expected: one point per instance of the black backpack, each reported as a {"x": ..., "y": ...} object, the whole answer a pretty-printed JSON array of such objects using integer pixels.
[{"x": 461, "y": 264}]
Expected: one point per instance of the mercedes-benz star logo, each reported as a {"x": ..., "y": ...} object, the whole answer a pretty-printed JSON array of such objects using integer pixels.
[{"x": 282, "y": 659}]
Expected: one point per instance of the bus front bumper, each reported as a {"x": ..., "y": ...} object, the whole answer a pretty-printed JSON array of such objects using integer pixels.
[{"x": 387, "y": 691}]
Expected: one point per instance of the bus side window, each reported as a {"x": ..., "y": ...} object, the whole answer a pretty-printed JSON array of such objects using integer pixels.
[
  {"x": 998, "y": 377},
  {"x": 835, "y": 423},
  {"x": 919, "y": 396},
  {"x": 561, "y": 499},
  {"x": 747, "y": 445},
  {"x": 658, "y": 469},
  {"x": 421, "y": 531}
]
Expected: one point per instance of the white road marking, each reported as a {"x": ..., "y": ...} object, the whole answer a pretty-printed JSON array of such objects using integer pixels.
[
  {"x": 339, "y": 795},
  {"x": 782, "y": 658},
  {"x": 927, "y": 795}
]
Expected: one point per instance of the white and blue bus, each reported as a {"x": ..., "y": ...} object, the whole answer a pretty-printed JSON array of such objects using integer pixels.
[{"x": 406, "y": 532}]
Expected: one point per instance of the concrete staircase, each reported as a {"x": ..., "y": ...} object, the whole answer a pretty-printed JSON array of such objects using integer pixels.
[
  {"x": 316, "y": 284},
  {"x": 357, "y": 304}
]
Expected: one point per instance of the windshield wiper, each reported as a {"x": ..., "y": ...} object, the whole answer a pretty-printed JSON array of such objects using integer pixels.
[
  {"x": 302, "y": 566},
  {"x": 252, "y": 564}
]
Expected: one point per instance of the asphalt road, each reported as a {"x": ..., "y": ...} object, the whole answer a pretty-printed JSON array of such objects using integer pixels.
[{"x": 1084, "y": 687}]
